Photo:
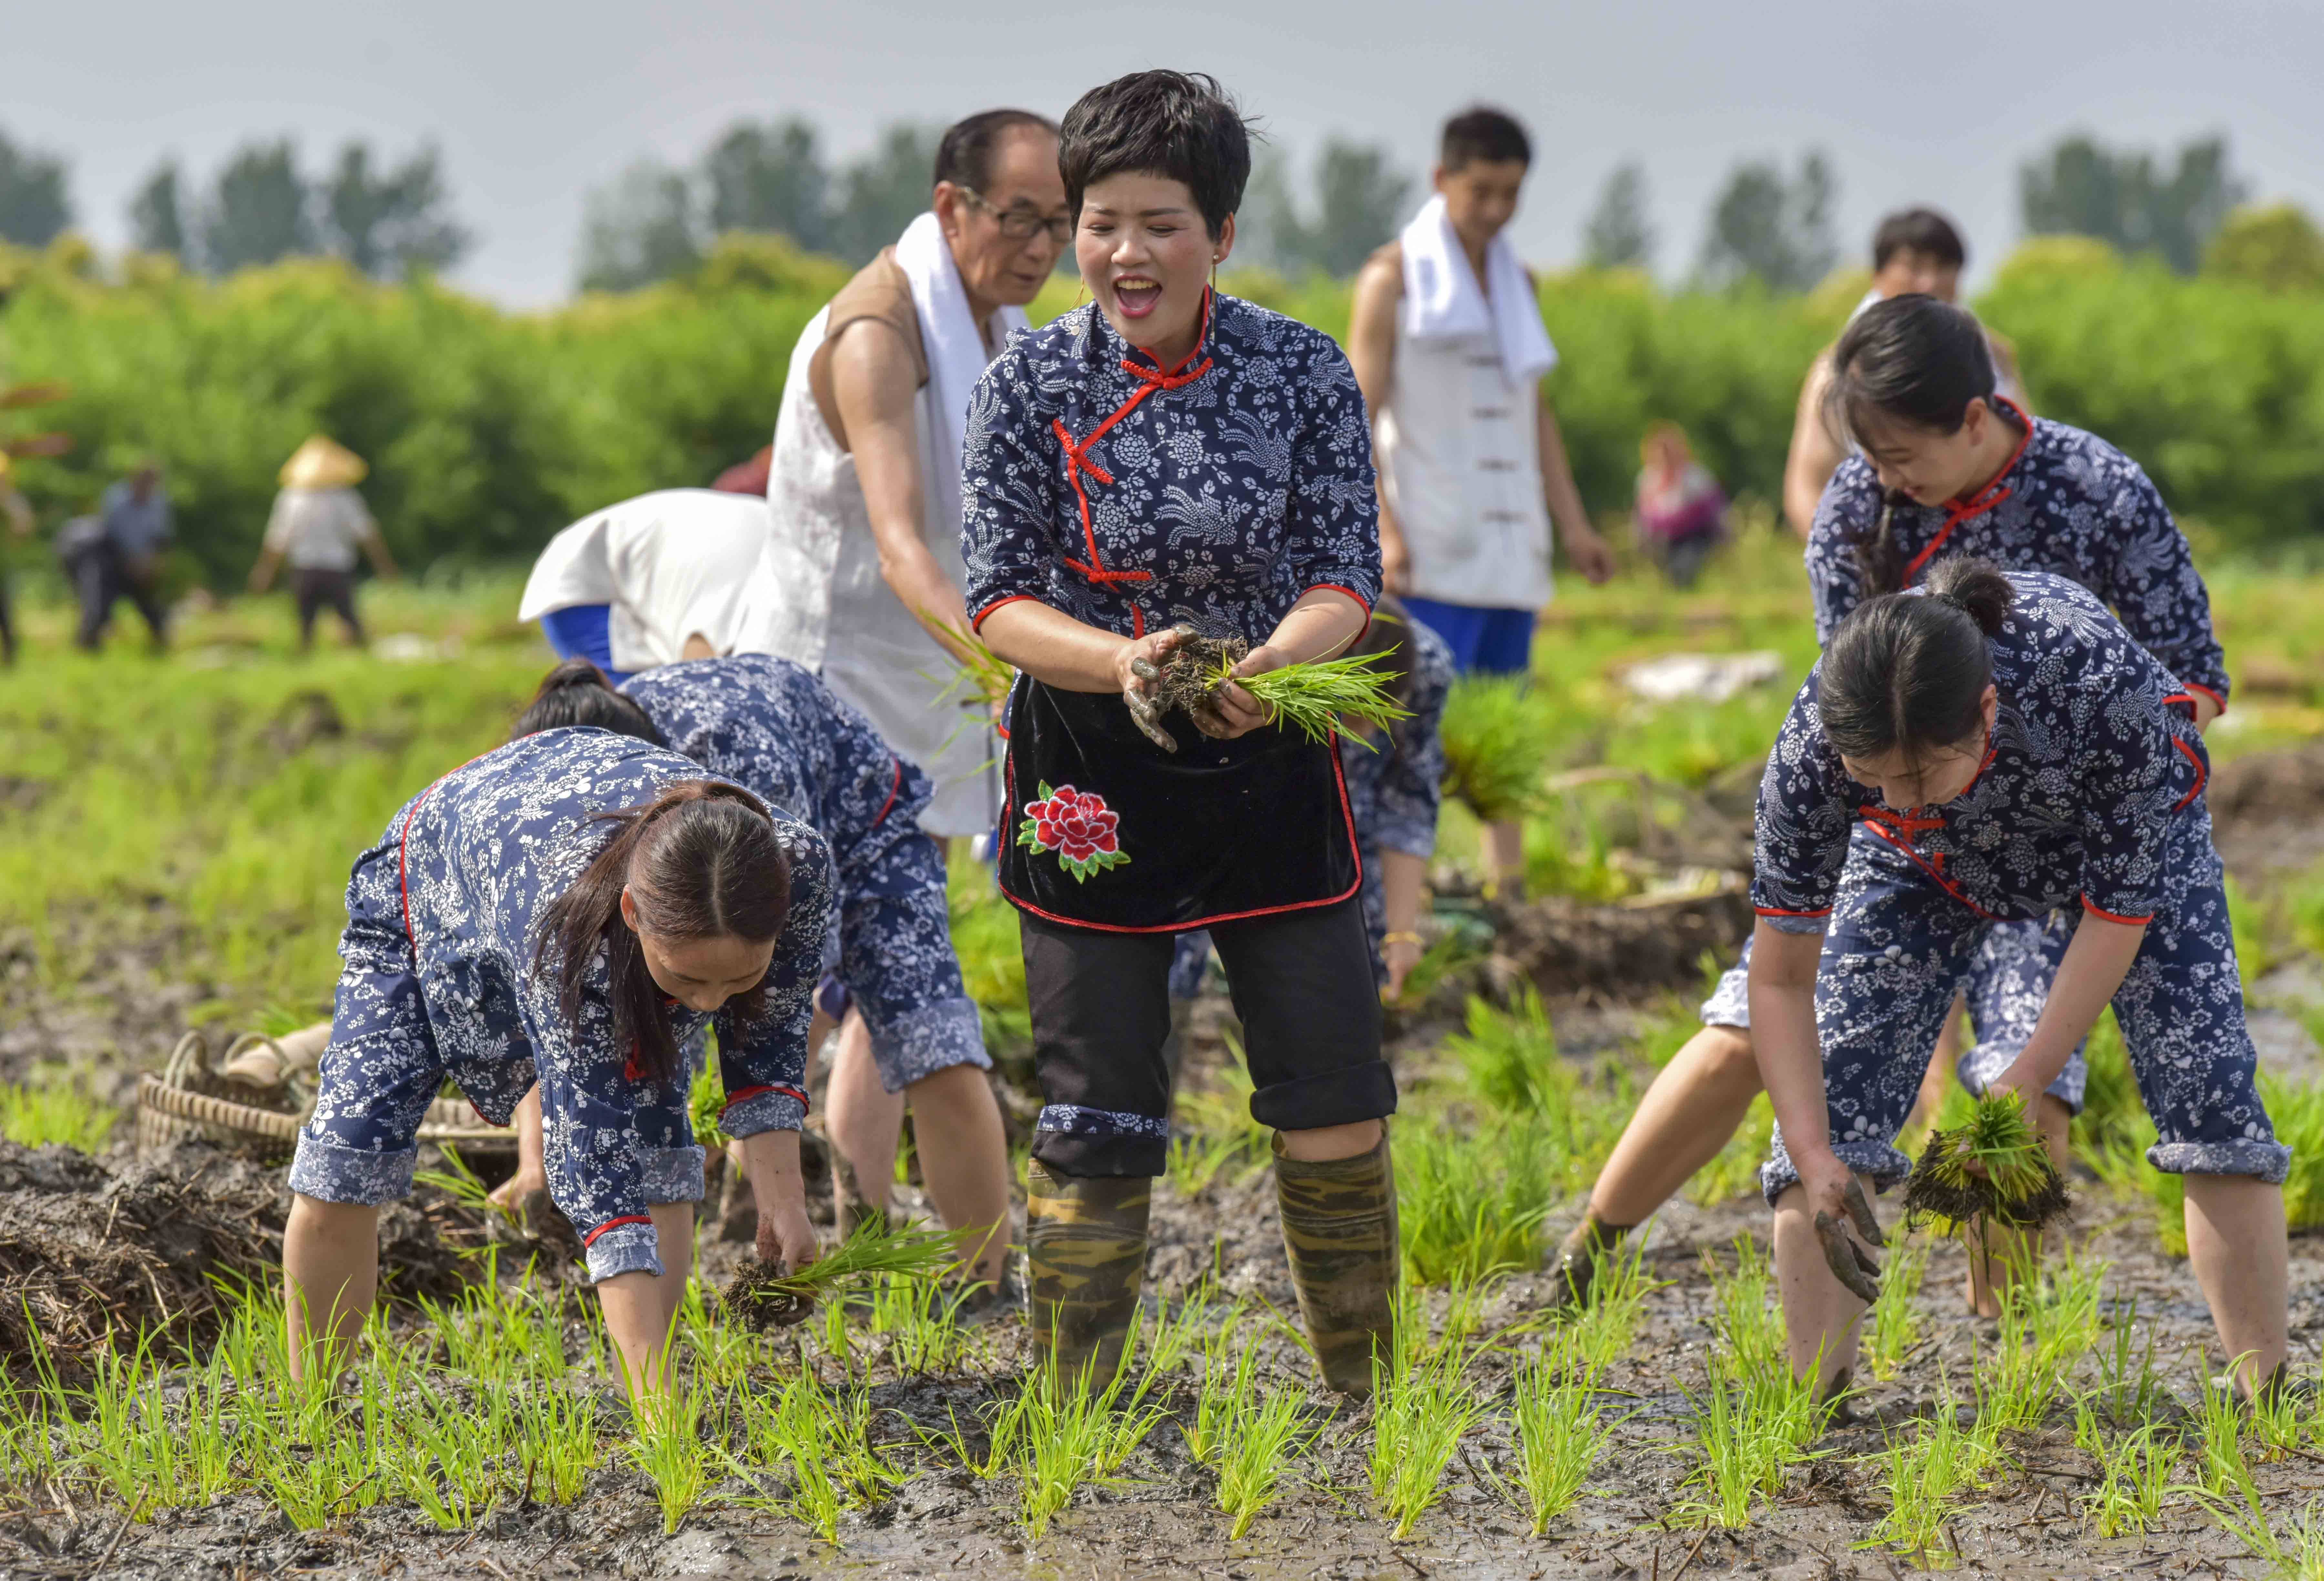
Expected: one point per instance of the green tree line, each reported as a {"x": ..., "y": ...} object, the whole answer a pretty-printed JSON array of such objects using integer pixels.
[{"x": 488, "y": 430}]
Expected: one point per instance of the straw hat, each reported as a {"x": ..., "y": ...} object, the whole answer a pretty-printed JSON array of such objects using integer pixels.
[{"x": 323, "y": 462}]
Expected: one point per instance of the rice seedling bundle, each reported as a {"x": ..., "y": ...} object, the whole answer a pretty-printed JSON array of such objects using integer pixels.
[
  {"x": 979, "y": 674},
  {"x": 1991, "y": 1169},
  {"x": 1312, "y": 697},
  {"x": 1499, "y": 740},
  {"x": 767, "y": 1295}
]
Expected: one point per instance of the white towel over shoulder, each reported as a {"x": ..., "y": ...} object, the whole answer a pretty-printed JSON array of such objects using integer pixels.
[
  {"x": 950, "y": 336},
  {"x": 1442, "y": 300}
]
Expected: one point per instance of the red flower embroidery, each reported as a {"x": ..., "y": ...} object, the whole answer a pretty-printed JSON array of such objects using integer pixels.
[{"x": 1078, "y": 826}]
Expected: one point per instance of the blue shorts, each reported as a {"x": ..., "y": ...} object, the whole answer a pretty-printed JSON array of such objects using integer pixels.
[
  {"x": 1484, "y": 642},
  {"x": 584, "y": 631}
]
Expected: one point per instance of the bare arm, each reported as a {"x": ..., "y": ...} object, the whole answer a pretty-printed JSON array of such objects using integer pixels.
[
  {"x": 1402, "y": 875},
  {"x": 1371, "y": 353},
  {"x": 1815, "y": 454},
  {"x": 1783, "y": 1037},
  {"x": 2095, "y": 964},
  {"x": 874, "y": 386},
  {"x": 1583, "y": 546},
  {"x": 261, "y": 576},
  {"x": 376, "y": 546}
]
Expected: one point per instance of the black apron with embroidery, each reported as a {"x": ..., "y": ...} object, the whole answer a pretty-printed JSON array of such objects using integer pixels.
[{"x": 1106, "y": 829}]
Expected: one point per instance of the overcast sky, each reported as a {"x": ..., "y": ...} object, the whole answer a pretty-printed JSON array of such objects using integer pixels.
[{"x": 533, "y": 103}]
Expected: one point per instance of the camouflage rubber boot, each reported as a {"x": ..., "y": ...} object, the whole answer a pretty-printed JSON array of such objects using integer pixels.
[
  {"x": 1582, "y": 1253},
  {"x": 1085, "y": 1260},
  {"x": 851, "y": 1209},
  {"x": 1339, "y": 1230}
]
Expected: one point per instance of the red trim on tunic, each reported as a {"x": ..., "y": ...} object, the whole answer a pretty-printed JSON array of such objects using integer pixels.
[
  {"x": 2128, "y": 921},
  {"x": 1918, "y": 861},
  {"x": 2206, "y": 691},
  {"x": 1347, "y": 818},
  {"x": 783, "y": 1087},
  {"x": 2202, "y": 775},
  {"x": 894, "y": 791},
  {"x": 1779, "y": 911},
  {"x": 1985, "y": 499},
  {"x": 978, "y": 619},
  {"x": 591, "y": 1238}
]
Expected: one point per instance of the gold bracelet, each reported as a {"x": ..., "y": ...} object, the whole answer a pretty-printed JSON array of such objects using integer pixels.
[{"x": 1402, "y": 936}]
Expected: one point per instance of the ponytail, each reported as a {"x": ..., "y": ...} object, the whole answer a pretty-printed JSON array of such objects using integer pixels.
[
  {"x": 1914, "y": 360},
  {"x": 700, "y": 861},
  {"x": 1909, "y": 671},
  {"x": 577, "y": 693}
]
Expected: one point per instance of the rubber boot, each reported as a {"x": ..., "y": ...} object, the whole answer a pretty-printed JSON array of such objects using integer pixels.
[
  {"x": 1339, "y": 1231},
  {"x": 1085, "y": 1260},
  {"x": 1582, "y": 1252}
]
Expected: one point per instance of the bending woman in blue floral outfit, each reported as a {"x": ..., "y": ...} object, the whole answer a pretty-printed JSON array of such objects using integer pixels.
[
  {"x": 1163, "y": 462},
  {"x": 773, "y": 726},
  {"x": 567, "y": 910},
  {"x": 1981, "y": 750}
]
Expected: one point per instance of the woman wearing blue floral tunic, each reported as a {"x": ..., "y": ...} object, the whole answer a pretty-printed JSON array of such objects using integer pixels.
[
  {"x": 1162, "y": 462},
  {"x": 773, "y": 726},
  {"x": 567, "y": 910},
  {"x": 1984, "y": 749}
]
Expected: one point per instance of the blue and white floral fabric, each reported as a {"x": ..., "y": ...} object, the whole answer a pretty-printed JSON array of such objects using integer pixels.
[
  {"x": 772, "y": 725},
  {"x": 1215, "y": 496},
  {"x": 439, "y": 981},
  {"x": 2071, "y": 504},
  {"x": 2089, "y": 798}
]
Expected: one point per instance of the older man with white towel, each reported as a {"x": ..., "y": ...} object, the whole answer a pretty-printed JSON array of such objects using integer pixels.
[{"x": 1448, "y": 342}]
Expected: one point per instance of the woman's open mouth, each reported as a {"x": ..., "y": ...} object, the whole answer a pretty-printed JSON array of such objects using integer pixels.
[{"x": 1136, "y": 295}]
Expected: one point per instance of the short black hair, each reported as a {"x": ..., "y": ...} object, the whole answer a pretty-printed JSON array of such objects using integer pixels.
[
  {"x": 1483, "y": 133},
  {"x": 964, "y": 153},
  {"x": 577, "y": 693},
  {"x": 1173, "y": 123},
  {"x": 1917, "y": 230}
]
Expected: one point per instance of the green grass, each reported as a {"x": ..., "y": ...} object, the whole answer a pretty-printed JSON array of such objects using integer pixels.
[{"x": 53, "y": 1110}]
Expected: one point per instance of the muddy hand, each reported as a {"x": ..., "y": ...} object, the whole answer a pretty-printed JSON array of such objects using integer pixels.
[
  {"x": 1850, "y": 1262},
  {"x": 1144, "y": 710}
]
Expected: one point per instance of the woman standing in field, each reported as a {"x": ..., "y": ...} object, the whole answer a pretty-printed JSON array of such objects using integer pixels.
[
  {"x": 767, "y": 724},
  {"x": 566, "y": 911},
  {"x": 1947, "y": 466},
  {"x": 1983, "y": 749},
  {"x": 1165, "y": 461}
]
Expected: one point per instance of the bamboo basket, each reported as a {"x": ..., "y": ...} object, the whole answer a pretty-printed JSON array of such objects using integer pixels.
[{"x": 187, "y": 1101}]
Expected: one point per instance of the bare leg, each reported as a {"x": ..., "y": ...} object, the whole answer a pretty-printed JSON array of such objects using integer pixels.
[
  {"x": 1505, "y": 864},
  {"x": 863, "y": 1120},
  {"x": 2236, "y": 1241},
  {"x": 641, "y": 1307},
  {"x": 1331, "y": 1141},
  {"x": 1688, "y": 1113},
  {"x": 1822, "y": 1317},
  {"x": 531, "y": 1167},
  {"x": 330, "y": 1266},
  {"x": 965, "y": 1159},
  {"x": 2010, "y": 1253}
]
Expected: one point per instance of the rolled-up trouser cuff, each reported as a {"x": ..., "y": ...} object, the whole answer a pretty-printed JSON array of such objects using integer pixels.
[
  {"x": 915, "y": 1045},
  {"x": 1329, "y": 1097},
  {"x": 672, "y": 1174},
  {"x": 1073, "y": 1139},
  {"x": 626, "y": 1248},
  {"x": 1883, "y": 1164},
  {"x": 367, "y": 1177},
  {"x": 1729, "y": 1004},
  {"x": 2266, "y": 1162},
  {"x": 770, "y": 1109}
]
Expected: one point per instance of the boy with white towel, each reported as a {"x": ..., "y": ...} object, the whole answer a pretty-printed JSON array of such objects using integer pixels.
[{"x": 1448, "y": 342}]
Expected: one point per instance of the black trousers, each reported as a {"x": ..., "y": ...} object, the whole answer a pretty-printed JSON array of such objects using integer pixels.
[
  {"x": 1302, "y": 983},
  {"x": 100, "y": 576},
  {"x": 316, "y": 591}
]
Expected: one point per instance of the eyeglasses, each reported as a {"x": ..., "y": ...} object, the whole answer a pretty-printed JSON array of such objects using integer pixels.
[{"x": 1022, "y": 224}]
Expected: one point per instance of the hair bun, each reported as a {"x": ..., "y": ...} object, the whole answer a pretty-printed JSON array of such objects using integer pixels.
[{"x": 1976, "y": 587}]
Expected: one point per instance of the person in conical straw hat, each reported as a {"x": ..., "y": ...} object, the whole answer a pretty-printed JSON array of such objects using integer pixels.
[{"x": 317, "y": 525}]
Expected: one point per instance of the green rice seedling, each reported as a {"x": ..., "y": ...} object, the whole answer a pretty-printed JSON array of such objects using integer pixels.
[
  {"x": 1223, "y": 1396},
  {"x": 2276, "y": 1421},
  {"x": 1071, "y": 1435},
  {"x": 2243, "y": 1516},
  {"x": 1749, "y": 1324},
  {"x": 1313, "y": 697},
  {"x": 1510, "y": 1056},
  {"x": 1601, "y": 1333},
  {"x": 668, "y": 1446},
  {"x": 452, "y": 1453},
  {"x": 1003, "y": 1424},
  {"x": 2127, "y": 1380},
  {"x": 979, "y": 674},
  {"x": 1226, "y": 1140},
  {"x": 1992, "y": 1170},
  {"x": 1752, "y": 1428},
  {"x": 1500, "y": 738},
  {"x": 1180, "y": 1333},
  {"x": 2219, "y": 1460},
  {"x": 556, "y": 1442},
  {"x": 723, "y": 1353},
  {"x": 34, "y": 1116},
  {"x": 921, "y": 1322},
  {"x": 1423, "y": 1405},
  {"x": 1559, "y": 1433},
  {"x": 766, "y": 1296},
  {"x": 131, "y": 1440},
  {"x": 1256, "y": 1451},
  {"x": 1471, "y": 1200},
  {"x": 1926, "y": 1475},
  {"x": 2134, "y": 1474},
  {"x": 1895, "y": 1328},
  {"x": 2296, "y": 1109},
  {"x": 705, "y": 1104}
]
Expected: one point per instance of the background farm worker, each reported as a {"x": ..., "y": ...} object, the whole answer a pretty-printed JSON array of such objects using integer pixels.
[
  {"x": 1681, "y": 515},
  {"x": 861, "y": 578},
  {"x": 120, "y": 557},
  {"x": 1395, "y": 780},
  {"x": 317, "y": 525},
  {"x": 1166, "y": 458},
  {"x": 1448, "y": 342},
  {"x": 2008, "y": 749},
  {"x": 1915, "y": 252},
  {"x": 568, "y": 910},
  {"x": 1949, "y": 466},
  {"x": 18, "y": 516},
  {"x": 649, "y": 581},
  {"x": 766, "y": 724}
]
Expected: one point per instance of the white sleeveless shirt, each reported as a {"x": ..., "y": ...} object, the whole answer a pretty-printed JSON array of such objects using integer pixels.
[{"x": 1460, "y": 457}]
